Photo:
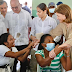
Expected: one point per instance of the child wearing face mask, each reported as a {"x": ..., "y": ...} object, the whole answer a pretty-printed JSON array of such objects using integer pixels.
[{"x": 50, "y": 57}]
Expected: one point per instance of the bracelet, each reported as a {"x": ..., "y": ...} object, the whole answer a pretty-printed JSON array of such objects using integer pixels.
[{"x": 68, "y": 55}]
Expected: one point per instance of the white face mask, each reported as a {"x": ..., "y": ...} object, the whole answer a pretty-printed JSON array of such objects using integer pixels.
[{"x": 52, "y": 10}]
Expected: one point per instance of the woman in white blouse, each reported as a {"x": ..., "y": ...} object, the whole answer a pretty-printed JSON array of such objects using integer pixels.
[{"x": 43, "y": 23}]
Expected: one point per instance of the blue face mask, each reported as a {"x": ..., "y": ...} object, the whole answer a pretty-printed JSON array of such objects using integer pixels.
[
  {"x": 50, "y": 46},
  {"x": 52, "y": 10}
]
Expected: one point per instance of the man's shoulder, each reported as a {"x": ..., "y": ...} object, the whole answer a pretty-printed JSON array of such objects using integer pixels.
[
  {"x": 8, "y": 13},
  {"x": 25, "y": 12}
]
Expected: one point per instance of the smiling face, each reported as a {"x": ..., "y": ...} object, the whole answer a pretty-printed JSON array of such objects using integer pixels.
[
  {"x": 3, "y": 8},
  {"x": 15, "y": 6},
  {"x": 60, "y": 17},
  {"x": 10, "y": 41},
  {"x": 40, "y": 12}
]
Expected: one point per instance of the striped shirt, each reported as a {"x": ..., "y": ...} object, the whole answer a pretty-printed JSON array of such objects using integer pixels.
[{"x": 55, "y": 65}]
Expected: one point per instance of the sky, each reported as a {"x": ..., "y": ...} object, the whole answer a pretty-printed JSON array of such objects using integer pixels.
[{"x": 21, "y": 2}]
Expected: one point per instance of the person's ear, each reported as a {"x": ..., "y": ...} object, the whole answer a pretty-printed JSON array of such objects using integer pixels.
[
  {"x": 45, "y": 11},
  {"x": 6, "y": 43},
  {"x": 44, "y": 45}
]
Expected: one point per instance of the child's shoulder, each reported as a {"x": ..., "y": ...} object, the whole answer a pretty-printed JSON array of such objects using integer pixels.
[{"x": 39, "y": 52}]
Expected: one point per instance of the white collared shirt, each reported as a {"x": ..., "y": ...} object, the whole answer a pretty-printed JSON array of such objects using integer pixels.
[
  {"x": 1, "y": 17},
  {"x": 6, "y": 60},
  {"x": 18, "y": 24},
  {"x": 2, "y": 28},
  {"x": 45, "y": 26}
]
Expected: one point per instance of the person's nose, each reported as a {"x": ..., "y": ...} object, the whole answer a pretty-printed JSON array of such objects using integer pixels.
[
  {"x": 4, "y": 10},
  {"x": 14, "y": 9}
]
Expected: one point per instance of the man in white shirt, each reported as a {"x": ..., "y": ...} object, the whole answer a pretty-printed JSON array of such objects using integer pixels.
[
  {"x": 17, "y": 22},
  {"x": 3, "y": 8},
  {"x": 2, "y": 25}
]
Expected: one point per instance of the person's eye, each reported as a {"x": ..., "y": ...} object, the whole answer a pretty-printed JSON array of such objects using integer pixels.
[
  {"x": 1, "y": 8},
  {"x": 4, "y": 7},
  {"x": 49, "y": 41},
  {"x": 16, "y": 7}
]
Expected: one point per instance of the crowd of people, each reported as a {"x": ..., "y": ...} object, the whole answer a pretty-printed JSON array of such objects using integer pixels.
[{"x": 35, "y": 41}]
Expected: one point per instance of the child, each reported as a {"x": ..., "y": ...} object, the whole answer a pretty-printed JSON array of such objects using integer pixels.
[{"x": 50, "y": 57}]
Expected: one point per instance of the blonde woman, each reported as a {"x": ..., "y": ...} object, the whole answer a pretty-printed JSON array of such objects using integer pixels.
[{"x": 63, "y": 12}]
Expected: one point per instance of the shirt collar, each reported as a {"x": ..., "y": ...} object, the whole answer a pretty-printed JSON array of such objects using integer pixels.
[{"x": 45, "y": 18}]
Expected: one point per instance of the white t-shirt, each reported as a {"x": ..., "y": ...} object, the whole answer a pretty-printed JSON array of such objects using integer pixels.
[{"x": 6, "y": 60}]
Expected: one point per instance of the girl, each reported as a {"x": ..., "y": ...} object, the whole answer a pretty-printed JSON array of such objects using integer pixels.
[
  {"x": 8, "y": 52},
  {"x": 50, "y": 57}
]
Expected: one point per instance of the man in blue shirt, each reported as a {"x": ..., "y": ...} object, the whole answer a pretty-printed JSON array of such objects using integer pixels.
[{"x": 26, "y": 8}]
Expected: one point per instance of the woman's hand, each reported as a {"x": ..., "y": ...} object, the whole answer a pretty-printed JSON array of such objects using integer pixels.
[{"x": 64, "y": 46}]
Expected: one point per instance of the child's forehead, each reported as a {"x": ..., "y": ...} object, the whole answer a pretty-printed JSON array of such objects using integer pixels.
[{"x": 49, "y": 37}]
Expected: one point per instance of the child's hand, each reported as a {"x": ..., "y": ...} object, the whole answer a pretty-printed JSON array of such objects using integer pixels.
[
  {"x": 65, "y": 46},
  {"x": 57, "y": 46},
  {"x": 36, "y": 43},
  {"x": 31, "y": 44},
  {"x": 67, "y": 51}
]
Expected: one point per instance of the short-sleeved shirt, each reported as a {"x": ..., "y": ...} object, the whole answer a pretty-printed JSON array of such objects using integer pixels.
[
  {"x": 55, "y": 65},
  {"x": 6, "y": 60},
  {"x": 18, "y": 24},
  {"x": 44, "y": 27}
]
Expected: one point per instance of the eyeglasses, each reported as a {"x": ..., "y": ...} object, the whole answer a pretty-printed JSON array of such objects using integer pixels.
[{"x": 15, "y": 7}]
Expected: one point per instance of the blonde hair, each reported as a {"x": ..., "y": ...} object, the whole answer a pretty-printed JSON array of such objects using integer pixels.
[{"x": 65, "y": 10}]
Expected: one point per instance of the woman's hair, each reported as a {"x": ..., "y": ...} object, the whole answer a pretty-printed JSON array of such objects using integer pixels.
[
  {"x": 3, "y": 38},
  {"x": 43, "y": 7},
  {"x": 65, "y": 10},
  {"x": 40, "y": 47}
]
